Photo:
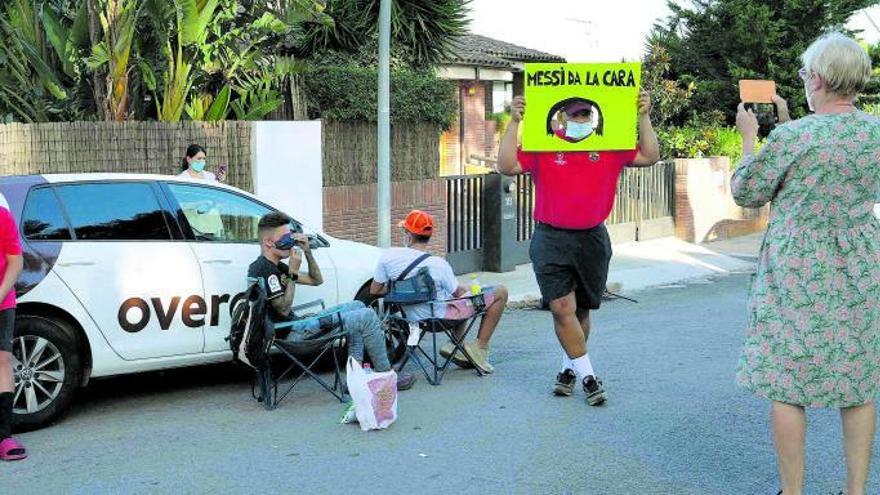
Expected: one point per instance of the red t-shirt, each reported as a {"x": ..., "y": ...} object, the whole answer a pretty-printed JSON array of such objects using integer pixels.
[
  {"x": 574, "y": 190},
  {"x": 9, "y": 245}
]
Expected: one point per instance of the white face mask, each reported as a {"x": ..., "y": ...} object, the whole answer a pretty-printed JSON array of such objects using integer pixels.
[{"x": 578, "y": 130}]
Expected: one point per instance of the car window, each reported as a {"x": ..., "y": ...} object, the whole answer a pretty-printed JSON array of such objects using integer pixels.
[
  {"x": 42, "y": 219},
  {"x": 124, "y": 211},
  {"x": 218, "y": 215}
]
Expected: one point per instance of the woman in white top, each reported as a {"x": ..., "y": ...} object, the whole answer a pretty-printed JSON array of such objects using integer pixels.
[{"x": 193, "y": 165}]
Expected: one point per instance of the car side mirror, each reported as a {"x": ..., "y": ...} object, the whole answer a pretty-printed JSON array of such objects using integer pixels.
[{"x": 317, "y": 241}]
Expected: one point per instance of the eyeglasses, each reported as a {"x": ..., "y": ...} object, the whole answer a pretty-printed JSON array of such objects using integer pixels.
[{"x": 805, "y": 74}]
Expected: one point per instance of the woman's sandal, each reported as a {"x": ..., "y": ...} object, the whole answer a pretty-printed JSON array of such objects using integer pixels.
[{"x": 11, "y": 450}]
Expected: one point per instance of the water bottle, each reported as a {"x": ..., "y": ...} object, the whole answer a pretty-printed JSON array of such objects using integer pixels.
[{"x": 476, "y": 289}]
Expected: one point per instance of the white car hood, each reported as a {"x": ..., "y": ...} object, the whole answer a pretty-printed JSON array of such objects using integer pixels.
[
  {"x": 355, "y": 264},
  {"x": 358, "y": 251}
]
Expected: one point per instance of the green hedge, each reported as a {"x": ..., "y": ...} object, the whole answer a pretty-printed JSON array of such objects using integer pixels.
[
  {"x": 348, "y": 94},
  {"x": 696, "y": 142}
]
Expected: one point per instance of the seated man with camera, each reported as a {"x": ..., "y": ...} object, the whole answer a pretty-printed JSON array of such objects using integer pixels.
[{"x": 280, "y": 279}]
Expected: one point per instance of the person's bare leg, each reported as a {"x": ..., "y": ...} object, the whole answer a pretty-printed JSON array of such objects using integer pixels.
[
  {"x": 568, "y": 328},
  {"x": 583, "y": 317},
  {"x": 859, "y": 426},
  {"x": 492, "y": 316},
  {"x": 6, "y": 381},
  {"x": 789, "y": 435}
]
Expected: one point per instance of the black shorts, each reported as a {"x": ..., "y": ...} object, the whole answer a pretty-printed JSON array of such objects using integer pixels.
[
  {"x": 7, "y": 326},
  {"x": 571, "y": 260}
]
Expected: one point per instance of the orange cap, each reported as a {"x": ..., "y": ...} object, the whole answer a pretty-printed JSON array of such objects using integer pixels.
[{"x": 418, "y": 222}]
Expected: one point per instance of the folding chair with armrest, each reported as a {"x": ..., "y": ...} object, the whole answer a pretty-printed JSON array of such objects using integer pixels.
[
  {"x": 329, "y": 340},
  {"x": 432, "y": 364}
]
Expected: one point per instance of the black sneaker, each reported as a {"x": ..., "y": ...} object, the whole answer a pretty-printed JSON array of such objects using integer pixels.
[
  {"x": 594, "y": 390},
  {"x": 565, "y": 383}
]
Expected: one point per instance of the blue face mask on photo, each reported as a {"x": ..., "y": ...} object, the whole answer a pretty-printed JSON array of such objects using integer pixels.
[
  {"x": 578, "y": 130},
  {"x": 198, "y": 165},
  {"x": 285, "y": 243}
]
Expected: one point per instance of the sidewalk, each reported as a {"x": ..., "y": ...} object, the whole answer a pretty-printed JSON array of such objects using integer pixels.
[{"x": 637, "y": 266}]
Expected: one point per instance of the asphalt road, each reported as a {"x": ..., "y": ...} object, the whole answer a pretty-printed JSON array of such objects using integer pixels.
[{"x": 675, "y": 423}]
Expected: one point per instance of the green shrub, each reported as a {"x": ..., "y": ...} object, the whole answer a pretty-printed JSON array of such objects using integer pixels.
[
  {"x": 873, "y": 109},
  {"x": 348, "y": 93},
  {"x": 697, "y": 142},
  {"x": 501, "y": 119}
]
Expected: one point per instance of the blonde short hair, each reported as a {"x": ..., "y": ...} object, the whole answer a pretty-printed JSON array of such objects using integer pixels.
[{"x": 840, "y": 62}]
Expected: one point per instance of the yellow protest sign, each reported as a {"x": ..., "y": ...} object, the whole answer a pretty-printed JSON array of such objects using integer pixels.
[{"x": 581, "y": 107}]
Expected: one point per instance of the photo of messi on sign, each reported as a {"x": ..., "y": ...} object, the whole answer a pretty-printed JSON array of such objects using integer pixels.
[{"x": 581, "y": 107}]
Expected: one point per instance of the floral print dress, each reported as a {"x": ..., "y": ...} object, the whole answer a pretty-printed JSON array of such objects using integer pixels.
[{"x": 814, "y": 306}]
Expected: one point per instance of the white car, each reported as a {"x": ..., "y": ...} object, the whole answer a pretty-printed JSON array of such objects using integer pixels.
[{"x": 130, "y": 273}]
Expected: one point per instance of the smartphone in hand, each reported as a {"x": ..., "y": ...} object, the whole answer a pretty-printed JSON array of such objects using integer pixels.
[
  {"x": 221, "y": 171},
  {"x": 758, "y": 97}
]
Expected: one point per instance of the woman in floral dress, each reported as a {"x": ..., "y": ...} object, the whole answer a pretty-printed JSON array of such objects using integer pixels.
[{"x": 814, "y": 306}]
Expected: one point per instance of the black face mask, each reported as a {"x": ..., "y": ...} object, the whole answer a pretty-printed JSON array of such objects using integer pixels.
[{"x": 285, "y": 243}]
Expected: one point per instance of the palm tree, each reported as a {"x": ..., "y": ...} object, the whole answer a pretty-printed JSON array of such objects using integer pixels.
[{"x": 422, "y": 32}]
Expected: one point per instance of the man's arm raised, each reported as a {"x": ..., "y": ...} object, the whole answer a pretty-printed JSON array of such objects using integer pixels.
[
  {"x": 649, "y": 145},
  {"x": 507, "y": 161}
]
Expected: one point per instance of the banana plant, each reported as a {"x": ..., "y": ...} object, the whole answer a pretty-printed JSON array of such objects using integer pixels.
[
  {"x": 257, "y": 97},
  {"x": 23, "y": 38},
  {"x": 118, "y": 21},
  {"x": 296, "y": 12},
  {"x": 192, "y": 18},
  {"x": 206, "y": 46},
  {"x": 207, "y": 108},
  {"x": 38, "y": 56},
  {"x": 67, "y": 40}
]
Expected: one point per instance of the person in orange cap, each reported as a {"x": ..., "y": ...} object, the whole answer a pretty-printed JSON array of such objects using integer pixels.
[{"x": 418, "y": 228}]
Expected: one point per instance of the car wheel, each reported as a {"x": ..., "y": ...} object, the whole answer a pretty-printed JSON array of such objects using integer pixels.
[
  {"x": 47, "y": 371},
  {"x": 395, "y": 333}
]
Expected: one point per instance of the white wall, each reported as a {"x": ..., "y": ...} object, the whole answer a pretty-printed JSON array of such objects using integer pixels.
[
  {"x": 502, "y": 95},
  {"x": 287, "y": 169}
]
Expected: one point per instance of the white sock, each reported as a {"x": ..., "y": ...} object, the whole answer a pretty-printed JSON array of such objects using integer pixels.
[
  {"x": 583, "y": 367},
  {"x": 566, "y": 362}
]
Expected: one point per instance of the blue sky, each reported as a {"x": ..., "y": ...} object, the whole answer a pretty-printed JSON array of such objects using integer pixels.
[{"x": 588, "y": 30}]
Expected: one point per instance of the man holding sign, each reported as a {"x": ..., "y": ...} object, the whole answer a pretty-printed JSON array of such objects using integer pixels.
[{"x": 575, "y": 188}]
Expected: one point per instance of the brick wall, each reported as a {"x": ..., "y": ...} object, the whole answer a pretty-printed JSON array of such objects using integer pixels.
[
  {"x": 490, "y": 144},
  {"x": 350, "y": 211},
  {"x": 450, "y": 159},
  {"x": 474, "y": 119},
  {"x": 478, "y": 133},
  {"x": 704, "y": 207}
]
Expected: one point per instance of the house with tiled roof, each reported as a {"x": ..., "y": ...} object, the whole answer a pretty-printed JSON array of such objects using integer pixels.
[{"x": 488, "y": 73}]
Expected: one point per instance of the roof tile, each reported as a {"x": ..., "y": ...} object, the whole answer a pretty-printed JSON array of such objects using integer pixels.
[{"x": 473, "y": 49}]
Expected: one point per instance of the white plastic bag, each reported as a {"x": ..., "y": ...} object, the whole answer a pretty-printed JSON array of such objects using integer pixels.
[{"x": 374, "y": 396}]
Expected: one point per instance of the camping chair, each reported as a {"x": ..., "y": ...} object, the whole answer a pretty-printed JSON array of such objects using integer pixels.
[
  {"x": 331, "y": 338},
  {"x": 432, "y": 364}
]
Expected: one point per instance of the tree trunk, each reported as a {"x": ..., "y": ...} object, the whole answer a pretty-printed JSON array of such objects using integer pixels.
[
  {"x": 298, "y": 105},
  {"x": 99, "y": 83}
]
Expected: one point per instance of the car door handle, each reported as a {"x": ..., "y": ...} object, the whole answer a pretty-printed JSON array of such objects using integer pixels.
[
  {"x": 77, "y": 263},
  {"x": 217, "y": 262}
]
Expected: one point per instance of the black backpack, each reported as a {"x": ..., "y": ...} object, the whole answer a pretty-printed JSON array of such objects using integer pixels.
[
  {"x": 418, "y": 289},
  {"x": 252, "y": 332}
]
